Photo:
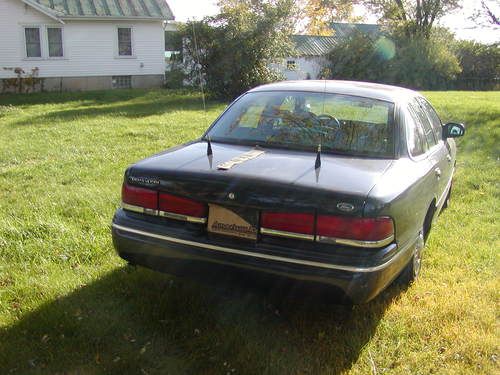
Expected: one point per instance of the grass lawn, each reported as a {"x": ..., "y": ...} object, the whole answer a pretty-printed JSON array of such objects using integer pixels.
[{"x": 69, "y": 305}]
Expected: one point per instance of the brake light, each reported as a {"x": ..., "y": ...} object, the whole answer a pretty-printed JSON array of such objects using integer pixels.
[
  {"x": 139, "y": 197},
  {"x": 302, "y": 223},
  {"x": 352, "y": 228},
  {"x": 352, "y": 231},
  {"x": 182, "y": 206},
  {"x": 151, "y": 202}
]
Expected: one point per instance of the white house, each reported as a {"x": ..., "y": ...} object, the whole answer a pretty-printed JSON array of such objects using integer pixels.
[
  {"x": 84, "y": 44},
  {"x": 309, "y": 57},
  {"x": 311, "y": 51}
]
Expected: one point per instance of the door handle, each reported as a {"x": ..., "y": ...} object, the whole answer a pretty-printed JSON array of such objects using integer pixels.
[
  {"x": 448, "y": 157},
  {"x": 438, "y": 172}
]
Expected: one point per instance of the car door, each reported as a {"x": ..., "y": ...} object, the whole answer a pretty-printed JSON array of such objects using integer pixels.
[
  {"x": 436, "y": 152},
  {"x": 447, "y": 146},
  {"x": 443, "y": 152}
]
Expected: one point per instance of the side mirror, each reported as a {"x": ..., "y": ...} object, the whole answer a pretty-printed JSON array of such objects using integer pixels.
[{"x": 453, "y": 130}]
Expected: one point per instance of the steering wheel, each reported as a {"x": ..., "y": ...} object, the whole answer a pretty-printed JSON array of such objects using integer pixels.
[{"x": 329, "y": 119}]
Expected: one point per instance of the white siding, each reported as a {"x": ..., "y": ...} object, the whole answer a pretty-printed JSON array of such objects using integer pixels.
[
  {"x": 90, "y": 47},
  {"x": 304, "y": 65}
]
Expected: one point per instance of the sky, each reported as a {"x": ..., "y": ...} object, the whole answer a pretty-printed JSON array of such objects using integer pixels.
[{"x": 458, "y": 22}]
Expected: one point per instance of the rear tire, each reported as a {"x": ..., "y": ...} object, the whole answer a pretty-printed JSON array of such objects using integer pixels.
[{"x": 412, "y": 269}]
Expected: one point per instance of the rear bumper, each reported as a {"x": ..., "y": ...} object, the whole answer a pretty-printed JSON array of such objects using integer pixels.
[{"x": 170, "y": 250}]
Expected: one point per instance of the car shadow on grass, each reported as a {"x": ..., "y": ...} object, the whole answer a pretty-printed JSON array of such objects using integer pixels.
[{"x": 139, "y": 321}]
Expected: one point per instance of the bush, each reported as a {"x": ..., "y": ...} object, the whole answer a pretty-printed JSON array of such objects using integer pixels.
[
  {"x": 235, "y": 48},
  {"x": 395, "y": 58},
  {"x": 357, "y": 58},
  {"x": 424, "y": 63},
  {"x": 480, "y": 65}
]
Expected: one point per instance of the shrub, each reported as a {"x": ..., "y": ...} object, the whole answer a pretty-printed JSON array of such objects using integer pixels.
[
  {"x": 480, "y": 65},
  {"x": 395, "y": 58},
  {"x": 235, "y": 48}
]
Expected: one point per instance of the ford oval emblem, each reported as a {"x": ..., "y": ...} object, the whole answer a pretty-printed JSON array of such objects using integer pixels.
[
  {"x": 346, "y": 207},
  {"x": 231, "y": 196}
]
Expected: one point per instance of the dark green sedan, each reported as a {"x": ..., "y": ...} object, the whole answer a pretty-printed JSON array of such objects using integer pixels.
[{"x": 320, "y": 182}]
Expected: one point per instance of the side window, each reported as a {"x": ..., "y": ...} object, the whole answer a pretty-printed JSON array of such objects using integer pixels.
[
  {"x": 418, "y": 114},
  {"x": 32, "y": 39},
  {"x": 417, "y": 143},
  {"x": 434, "y": 118},
  {"x": 125, "y": 41},
  {"x": 54, "y": 39}
]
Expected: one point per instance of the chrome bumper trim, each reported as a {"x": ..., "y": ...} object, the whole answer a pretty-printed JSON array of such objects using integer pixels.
[
  {"x": 138, "y": 209},
  {"x": 191, "y": 219},
  {"x": 207, "y": 246},
  {"x": 357, "y": 243},
  {"x": 170, "y": 215},
  {"x": 282, "y": 233},
  {"x": 331, "y": 240}
]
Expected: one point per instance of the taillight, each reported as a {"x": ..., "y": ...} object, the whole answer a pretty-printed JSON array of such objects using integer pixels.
[
  {"x": 139, "y": 197},
  {"x": 297, "y": 225},
  {"x": 182, "y": 206},
  {"x": 352, "y": 228},
  {"x": 151, "y": 202},
  {"x": 365, "y": 232}
]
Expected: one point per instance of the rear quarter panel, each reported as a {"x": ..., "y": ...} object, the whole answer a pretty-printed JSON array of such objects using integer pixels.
[{"x": 404, "y": 193}]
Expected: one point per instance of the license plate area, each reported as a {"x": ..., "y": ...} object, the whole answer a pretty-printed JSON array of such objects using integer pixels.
[{"x": 234, "y": 222}]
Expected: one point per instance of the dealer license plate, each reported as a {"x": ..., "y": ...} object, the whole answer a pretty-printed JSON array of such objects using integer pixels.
[{"x": 224, "y": 221}]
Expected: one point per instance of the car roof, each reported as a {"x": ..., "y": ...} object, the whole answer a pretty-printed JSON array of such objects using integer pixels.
[{"x": 364, "y": 89}]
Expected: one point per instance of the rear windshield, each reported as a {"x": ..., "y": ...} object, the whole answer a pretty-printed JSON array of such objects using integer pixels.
[{"x": 302, "y": 120}]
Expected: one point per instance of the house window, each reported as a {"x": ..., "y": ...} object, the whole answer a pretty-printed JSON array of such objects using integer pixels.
[
  {"x": 32, "y": 39},
  {"x": 291, "y": 65},
  {"x": 122, "y": 82},
  {"x": 125, "y": 41},
  {"x": 54, "y": 38}
]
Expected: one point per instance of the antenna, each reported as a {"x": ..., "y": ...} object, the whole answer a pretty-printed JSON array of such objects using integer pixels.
[
  {"x": 317, "y": 164},
  {"x": 198, "y": 68},
  {"x": 209, "y": 147}
]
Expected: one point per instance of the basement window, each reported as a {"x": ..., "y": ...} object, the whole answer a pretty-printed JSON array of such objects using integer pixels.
[{"x": 121, "y": 82}]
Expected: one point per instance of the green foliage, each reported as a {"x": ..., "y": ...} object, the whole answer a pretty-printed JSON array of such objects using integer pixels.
[
  {"x": 424, "y": 63},
  {"x": 394, "y": 58},
  {"x": 415, "y": 17},
  {"x": 232, "y": 51},
  {"x": 356, "y": 58},
  {"x": 319, "y": 14},
  {"x": 480, "y": 64},
  {"x": 174, "y": 78}
]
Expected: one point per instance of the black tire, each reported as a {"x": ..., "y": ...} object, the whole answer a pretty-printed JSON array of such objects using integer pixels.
[{"x": 412, "y": 269}]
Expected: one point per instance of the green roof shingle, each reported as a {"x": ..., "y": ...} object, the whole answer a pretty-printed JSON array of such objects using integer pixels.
[
  {"x": 315, "y": 45},
  {"x": 157, "y": 9}
]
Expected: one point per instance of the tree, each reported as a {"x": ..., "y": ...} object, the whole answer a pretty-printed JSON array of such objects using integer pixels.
[
  {"x": 415, "y": 17},
  {"x": 480, "y": 65},
  {"x": 234, "y": 49},
  {"x": 357, "y": 58},
  {"x": 487, "y": 13},
  {"x": 320, "y": 14},
  {"x": 394, "y": 58},
  {"x": 425, "y": 62}
]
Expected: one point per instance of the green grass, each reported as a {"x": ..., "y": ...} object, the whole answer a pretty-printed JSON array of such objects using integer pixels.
[{"x": 69, "y": 305}]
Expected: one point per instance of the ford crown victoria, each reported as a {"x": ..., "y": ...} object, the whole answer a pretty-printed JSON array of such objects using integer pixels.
[{"x": 329, "y": 182}]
